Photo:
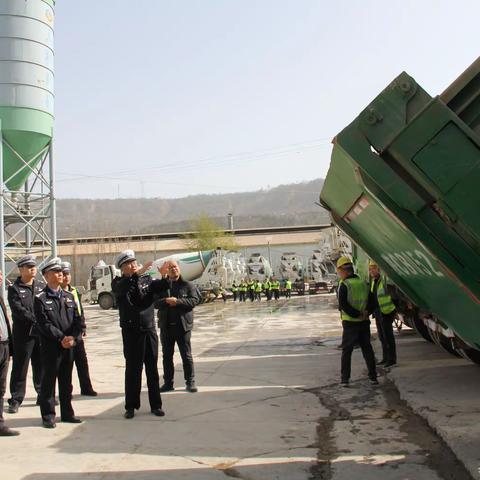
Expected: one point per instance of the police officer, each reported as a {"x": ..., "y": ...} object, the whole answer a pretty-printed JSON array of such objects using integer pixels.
[
  {"x": 175, "y": 319},
  {"x": 251, "y": 290},
  {"x": 26, "y": 342},
  {"x": 79, "y": 353},
  {"x": 353, "y": 304},
  {"x": 140, "y": 340},
  {"x": 5, "y": 354},
  {"x": 384, "y": 311},
  {"x": 60, "y": 327}
]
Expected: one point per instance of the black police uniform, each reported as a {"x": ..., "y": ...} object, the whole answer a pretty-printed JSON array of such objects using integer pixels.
[
  {"x": 140, "y": 340},
  {"x": 26, "y": 341},
  {"x": 176, "y": 324},
  {"x": 80, "y": 354},
  {"x": 6, "y": 348},
  {"x": 57, "y": 317}
]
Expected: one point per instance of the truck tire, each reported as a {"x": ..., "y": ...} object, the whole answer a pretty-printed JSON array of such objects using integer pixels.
[
  {"x": 470, "y": 354},
  {"x": 444, "y": 342},
  {"x": 421, "y": 329},
  {"x": 105, "y": 300}
]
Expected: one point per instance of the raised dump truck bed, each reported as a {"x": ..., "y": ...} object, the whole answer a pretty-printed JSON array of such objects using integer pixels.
[{"x": 404, "y": 184}]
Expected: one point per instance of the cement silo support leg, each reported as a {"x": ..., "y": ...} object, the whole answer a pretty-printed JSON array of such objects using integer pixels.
[
  {"x": 2, "y": 218},
  {"x": 53, "y": 207},
  {"x": 28, "y": 228}
]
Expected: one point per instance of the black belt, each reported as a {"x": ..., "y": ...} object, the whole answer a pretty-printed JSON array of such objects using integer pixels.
[{"x": 4, "y": 342}]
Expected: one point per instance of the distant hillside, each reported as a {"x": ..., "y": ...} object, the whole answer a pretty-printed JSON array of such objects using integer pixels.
[{"x": 291, "y": 204}]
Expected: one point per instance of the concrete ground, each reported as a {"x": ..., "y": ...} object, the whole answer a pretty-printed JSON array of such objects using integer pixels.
[{"x": 269, "y": 407}]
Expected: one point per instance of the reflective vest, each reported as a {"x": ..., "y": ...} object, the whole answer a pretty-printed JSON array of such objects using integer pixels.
[
  {"x": 384, "y": 299},
  {"x": 76, "y": 297},
  {"x": 266, "y": 285},
  {"x": 276, "y": 285},
  {"x": 258, "y": 287},
  {"x": 243, "y": 287},
  {"x": 251, "y": 286},
  {"x": 288, "y": 285},
  {"x": 357, "y": 297},
  {"x": 234, "y": 288}
]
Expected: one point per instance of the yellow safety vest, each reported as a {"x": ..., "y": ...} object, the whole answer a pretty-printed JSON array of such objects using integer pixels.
[
  {"x": 384, "y": 299},
  {"x": 357, "y": 297}
]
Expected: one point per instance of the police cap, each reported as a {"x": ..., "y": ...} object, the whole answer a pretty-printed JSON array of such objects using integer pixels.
[
  {"x": 27, "y": 261},
  {"x": 124, "y": 257},
  {"x": 54, "y": 264}
]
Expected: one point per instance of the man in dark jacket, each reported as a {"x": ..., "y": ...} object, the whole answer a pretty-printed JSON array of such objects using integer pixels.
[
  {"x": 5, "y": 354},
  {"x": 175, "y": 314},
  {"x": 140, "y": 340},
  {"x": 26, "y": 341},
  {"x": 60, "y": 327}
]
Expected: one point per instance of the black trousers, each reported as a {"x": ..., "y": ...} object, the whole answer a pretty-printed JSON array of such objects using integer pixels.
[
  {"x": 386, "y": 336},
  {"x": 357, "y": 333},
  {"x": 234, "y": 296},
  {"x": 251, "y": 295},
  {"x": 170, "y": 335},
  {"x": 26, "y": 349},
  {"x": 140, "y": 347},
  {"x": 241, "y": 297},
  {"x": 81, "y": 362},
  {"x": 57, "y": 363},
  {"x": 4, "y": 359},
  {"x": 276, "y": 294}
]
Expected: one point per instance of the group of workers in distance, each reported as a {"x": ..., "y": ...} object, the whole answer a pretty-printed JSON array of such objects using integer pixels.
[
  {"x": 253, "y": 289},
  {"x": 357, "y": 300}
]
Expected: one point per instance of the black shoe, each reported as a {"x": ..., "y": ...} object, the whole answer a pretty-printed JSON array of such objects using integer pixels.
[
  {"x": 166, "y": 387},
  {"x": 89, "y": 393},
  {"x": 13, "y": 407},
  {"x": 373, "y": 381},
  {"x": 158, "y": 412},
  {"x": 6, "y": 432},
  {"x": 71, "y": 420},
  {"x": 191, "y": 388},
  {"x": 49, "y": 423},
  {"x": 389, "y": 364},
  {"x": 382, "y": 362},
  {"x": 130, "y": 413},
  {"x": 344, "y": 383}
]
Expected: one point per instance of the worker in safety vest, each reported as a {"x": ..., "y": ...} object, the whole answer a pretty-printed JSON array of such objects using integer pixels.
[
  {"x": 288, "y": 288},
  {"x": 353, "y": 297},
  {"x": 267, "y": 289},
  {"x": 234, "y": 291},
  {"x": 384, "y": 311},
  {"x": 251, "y": 290},
  {"x": 258, "y": 290},
  {"x": 275, "y": 284},
  {"x": 242, "y": 291}
]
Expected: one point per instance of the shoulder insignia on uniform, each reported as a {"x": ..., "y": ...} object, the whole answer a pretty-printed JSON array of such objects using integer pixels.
[
  {"x": 40, "y": 294},
  {"x": 22, "y": 291},
  {"x": 48, "y": 302}
]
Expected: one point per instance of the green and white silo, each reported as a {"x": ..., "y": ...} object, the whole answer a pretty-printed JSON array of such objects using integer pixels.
[{"x": 27, "y": 204}]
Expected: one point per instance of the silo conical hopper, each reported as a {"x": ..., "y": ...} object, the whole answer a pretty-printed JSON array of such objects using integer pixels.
[{"x": 26, "y": 85}]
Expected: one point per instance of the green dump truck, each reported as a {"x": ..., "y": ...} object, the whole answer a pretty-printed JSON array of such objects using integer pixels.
[{"x": 404, "y": 184}]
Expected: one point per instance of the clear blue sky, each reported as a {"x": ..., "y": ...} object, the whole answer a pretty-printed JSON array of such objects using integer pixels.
[{"x": 173, "y": 98}]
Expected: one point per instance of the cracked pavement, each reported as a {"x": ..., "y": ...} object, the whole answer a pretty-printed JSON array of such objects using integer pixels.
[{"x": 268, "y": 407}]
